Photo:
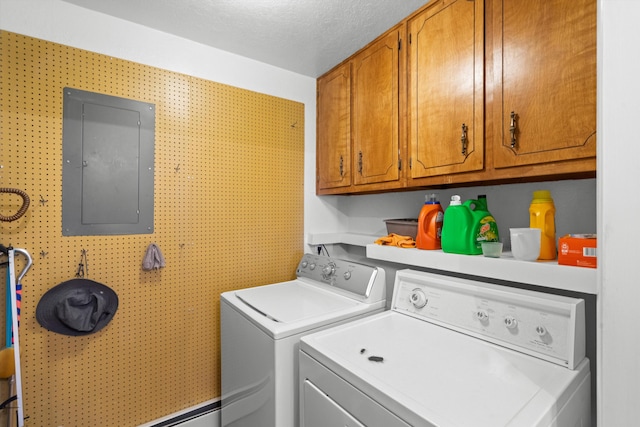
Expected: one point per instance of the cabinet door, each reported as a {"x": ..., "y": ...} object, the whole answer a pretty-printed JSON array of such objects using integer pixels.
[
  {"x": 333, "y": 167},
  {"x": 375, "y": 112},
  {"x": 545, "y": 81},
  {"x": 446, "y": 84}
]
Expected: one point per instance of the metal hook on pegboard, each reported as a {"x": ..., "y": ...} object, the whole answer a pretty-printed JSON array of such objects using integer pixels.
[{"x": 83, "y": 266}]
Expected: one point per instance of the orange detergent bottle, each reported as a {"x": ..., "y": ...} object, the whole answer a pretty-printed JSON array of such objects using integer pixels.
[
  {"x": 542, "y": 215},
  {"x": 429, "y": 235}
]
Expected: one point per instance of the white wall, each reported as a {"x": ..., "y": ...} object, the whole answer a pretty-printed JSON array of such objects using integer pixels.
[{"x": 618, "y": 229}]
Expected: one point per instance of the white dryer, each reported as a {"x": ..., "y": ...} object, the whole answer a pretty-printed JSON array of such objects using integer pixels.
[
  {"x": 261, "y": 328},
  {"x": 451, "y": 353}
]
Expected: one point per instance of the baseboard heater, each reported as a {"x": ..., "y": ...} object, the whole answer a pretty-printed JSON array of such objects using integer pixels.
[{"x": 189, "y": 415}]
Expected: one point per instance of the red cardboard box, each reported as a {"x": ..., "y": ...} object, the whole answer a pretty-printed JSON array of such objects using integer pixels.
[{"x": 578, "y": 249}]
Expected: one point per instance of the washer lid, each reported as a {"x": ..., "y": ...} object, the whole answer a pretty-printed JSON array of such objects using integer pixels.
[
  {"x": 285, "y": 309},
  {"x": 431, "y": 373},
  {"x": 293, "y": 301}
]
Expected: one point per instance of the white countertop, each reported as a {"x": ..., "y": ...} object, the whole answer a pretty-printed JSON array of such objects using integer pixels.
[{"x": 540, "y": 273}]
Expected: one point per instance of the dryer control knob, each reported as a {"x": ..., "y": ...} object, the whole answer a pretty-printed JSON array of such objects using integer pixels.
[
  {"x": 347, "y": 275},
  {"x": 418, "y": 298},
  {"x": 304, "y": 264},
  {"x": 312, "y": 266},
  {"x": 482, "y": 315},
  {"x": 510, "y": 322},
  {"x": 541, "y": 330}
]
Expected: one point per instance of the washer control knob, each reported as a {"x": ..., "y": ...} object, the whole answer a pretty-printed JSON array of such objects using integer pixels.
[
  {"x": 510, "y": 322},
  {"x": 541, "y": 330},
  {"x": 304, "y": 264},
  {"x": 312, "y": 266},
  {"x": 482, "y": 315},
  {"x": 329, "y": 270},
  {"x": 418, "y": 298},
  {"x": 347, "y": 275}
]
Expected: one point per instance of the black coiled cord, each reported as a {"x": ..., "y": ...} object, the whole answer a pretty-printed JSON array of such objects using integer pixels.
[{"x": 23, "y": 208}]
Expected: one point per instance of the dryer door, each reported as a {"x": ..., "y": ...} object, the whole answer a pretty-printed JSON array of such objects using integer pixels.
[
  {"x": 327, "y": 400},
  {"x": 321, "y": 411}
]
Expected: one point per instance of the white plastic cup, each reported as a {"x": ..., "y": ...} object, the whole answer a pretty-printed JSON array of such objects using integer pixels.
[{"x": 525, "y": 243}]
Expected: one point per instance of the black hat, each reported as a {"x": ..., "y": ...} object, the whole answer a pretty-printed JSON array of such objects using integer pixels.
[{"x": 77, "y": 307}]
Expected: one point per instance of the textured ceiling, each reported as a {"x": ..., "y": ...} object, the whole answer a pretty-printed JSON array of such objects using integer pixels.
[{"x": 308, "y": 37}]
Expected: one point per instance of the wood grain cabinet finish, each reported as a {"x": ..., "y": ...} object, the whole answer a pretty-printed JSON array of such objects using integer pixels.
[
  {"x": 375, "y": 112},
  {"x": 333, "y": 167},
  {"x": 486, "y": 91},
  {"x": 446, "y": 88},
  {"x": 545, "y": 81}
]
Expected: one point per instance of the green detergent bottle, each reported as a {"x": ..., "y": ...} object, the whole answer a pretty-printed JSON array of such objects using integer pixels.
[
  {"x": 457, "y": 228},
  {"x": 467, "y": 225},
  {"x": 485, "y": 228}
]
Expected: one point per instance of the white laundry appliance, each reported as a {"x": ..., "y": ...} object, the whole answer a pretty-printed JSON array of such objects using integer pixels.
[
  {"x": 261, "y": 328},
  {"x": 451, "y": 353}
]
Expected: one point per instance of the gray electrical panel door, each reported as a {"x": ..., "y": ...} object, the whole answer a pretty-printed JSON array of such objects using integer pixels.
[{"x": 107, "y": 174}]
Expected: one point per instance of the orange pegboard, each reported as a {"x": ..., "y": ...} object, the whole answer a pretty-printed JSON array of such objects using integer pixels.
[{"x": 228, "y": 214}]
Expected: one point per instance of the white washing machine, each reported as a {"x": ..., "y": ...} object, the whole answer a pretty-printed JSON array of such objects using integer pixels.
[
  {"x": 451, "y": 353},
  {"x": 261, "y": 328}
]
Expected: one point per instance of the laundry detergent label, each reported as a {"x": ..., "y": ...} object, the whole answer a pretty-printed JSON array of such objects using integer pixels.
[
  {"x": 488, "y": 230},
  {"x": 439, "y": 221}
]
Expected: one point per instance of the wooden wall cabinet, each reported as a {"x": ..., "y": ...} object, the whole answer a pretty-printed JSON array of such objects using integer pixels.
[
  {"x": 544, "y": 69},
  {"x": 358, "y": 120},
  {"x": 333, "y": 154},
  {"x": 446, "y": 89},
  {"x": 487, "y": 91},
  {"x": 375, "y": 113}
]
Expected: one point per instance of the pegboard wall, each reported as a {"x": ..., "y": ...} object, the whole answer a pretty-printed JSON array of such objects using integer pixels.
[{"x": 228, "y": 215}]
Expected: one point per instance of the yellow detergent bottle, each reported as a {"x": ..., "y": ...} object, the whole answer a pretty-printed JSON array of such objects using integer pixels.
[{"x": 542, "y": 213}]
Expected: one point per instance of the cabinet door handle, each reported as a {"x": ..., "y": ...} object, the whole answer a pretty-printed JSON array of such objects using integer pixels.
[
  {"x": 360, "y": 162},
  {"x": 512, "y": 129},
  {"x": 341, "y": 166},
  {"x": 463, "y": 139}
]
